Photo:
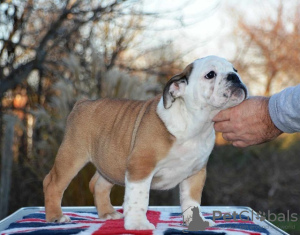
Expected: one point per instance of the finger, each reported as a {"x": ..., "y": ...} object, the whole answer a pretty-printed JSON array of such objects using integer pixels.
[
  {"x": 224, "y": 115},
  {"x": 223, "y": 127},
  {"x": 230, "y": 136},
  {"x": 240, "y": 144}
]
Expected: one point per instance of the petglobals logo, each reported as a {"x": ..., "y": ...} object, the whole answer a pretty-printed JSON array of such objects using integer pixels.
[
  {"x": 195, "y": 221},
  {"x": 250, "y": 215}
]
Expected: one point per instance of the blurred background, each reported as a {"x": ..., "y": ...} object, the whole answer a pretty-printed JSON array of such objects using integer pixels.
[{"x": 55, "y": 52}]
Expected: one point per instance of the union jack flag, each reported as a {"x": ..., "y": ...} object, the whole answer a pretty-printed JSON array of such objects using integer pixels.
[{"x": 85, "y": 222}]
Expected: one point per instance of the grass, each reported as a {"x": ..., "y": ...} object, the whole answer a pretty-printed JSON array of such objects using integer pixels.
[{"x": 289, "y": 226}]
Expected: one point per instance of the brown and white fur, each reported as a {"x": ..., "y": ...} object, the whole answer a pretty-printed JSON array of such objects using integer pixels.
[{"x": 143, "y": 145}]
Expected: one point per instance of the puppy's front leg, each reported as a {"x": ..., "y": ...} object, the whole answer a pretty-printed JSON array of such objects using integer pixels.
[
  {"x": 136, "y": 203},
  {"x": 190, "y": 195}
]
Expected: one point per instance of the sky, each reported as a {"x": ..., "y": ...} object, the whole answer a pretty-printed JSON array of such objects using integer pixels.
[{"x": 210, "y": 23}]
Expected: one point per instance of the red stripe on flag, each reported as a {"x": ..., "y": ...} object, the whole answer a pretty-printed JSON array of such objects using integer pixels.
[{"x": 117, "y": 226}]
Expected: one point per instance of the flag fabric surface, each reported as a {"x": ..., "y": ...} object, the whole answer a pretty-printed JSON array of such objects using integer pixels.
[{"x": 87, "y": 222}]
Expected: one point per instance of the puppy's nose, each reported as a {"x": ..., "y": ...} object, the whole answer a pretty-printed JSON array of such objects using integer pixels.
[{"x": 232, "y": 77}]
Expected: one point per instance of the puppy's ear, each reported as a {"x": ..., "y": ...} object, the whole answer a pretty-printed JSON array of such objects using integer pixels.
[{"x": 175, "y": 87}]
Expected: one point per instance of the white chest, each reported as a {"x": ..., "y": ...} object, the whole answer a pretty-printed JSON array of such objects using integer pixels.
[{"x": 183, "y": 160}]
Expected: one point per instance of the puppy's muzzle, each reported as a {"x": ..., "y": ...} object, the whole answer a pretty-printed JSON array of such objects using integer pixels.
[{"x": 236, "y": 84}]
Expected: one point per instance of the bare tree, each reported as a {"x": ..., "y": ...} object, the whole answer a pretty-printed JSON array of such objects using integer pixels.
[{"x": 268, "y": 51}]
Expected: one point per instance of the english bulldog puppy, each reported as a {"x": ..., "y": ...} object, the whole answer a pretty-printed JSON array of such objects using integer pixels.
[{"x": 143, "y": 145}]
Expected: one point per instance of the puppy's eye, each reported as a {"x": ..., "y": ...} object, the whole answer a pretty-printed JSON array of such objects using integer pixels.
[{"x": 210, "y": 75}]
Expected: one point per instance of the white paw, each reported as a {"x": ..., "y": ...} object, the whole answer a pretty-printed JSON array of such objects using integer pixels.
[
  {"x": 189, "y": 216},
  {"x": 187, "y": 221},
  {"x": 211, "y": 222},
  {"x": 63, "y": 219},
  {"x": 113, "y": 215},
  {"x": 139, "y": 225}
]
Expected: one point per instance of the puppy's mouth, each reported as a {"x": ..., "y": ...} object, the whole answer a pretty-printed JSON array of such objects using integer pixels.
[{"x": 238, "y": 90}]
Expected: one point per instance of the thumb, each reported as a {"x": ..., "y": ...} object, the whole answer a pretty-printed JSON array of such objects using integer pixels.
[{"x": 223, "y": 115}]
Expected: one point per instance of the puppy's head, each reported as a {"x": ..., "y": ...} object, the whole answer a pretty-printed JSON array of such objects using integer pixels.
[{"x": 210, "y": 81}]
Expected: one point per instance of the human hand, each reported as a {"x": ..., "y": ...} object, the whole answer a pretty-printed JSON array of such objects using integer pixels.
[{"x": 248, "y": 123}]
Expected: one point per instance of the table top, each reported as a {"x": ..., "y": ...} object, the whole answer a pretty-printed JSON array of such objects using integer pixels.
[{"x": 218, "y": 210}]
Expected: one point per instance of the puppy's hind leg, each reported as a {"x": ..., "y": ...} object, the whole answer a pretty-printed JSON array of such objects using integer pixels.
[
  {"x": 69, "y": 161},
  {"x": 101, "y": 188}
]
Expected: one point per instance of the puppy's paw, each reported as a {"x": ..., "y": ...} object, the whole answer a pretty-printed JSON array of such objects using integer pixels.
[
  {"x": 194, "y": 214},
  {"x": 210, "y": 222},
  {"x": 188, "y": 215},
  {"x": 61, "y": 219},
  {"x": 113, "y": 215},
  {"x": 139, "y": 225}
]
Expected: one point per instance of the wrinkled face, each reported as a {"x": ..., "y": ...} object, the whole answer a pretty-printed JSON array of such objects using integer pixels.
[
  {"x": 215, "y": 81},
  {"x": 210, "y": 81}
]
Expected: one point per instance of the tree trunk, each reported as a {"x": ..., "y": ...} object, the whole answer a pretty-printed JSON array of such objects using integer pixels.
[{"x": 6, "y": 164}]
